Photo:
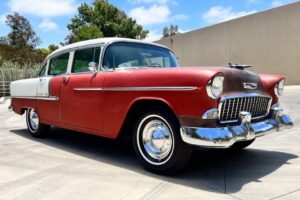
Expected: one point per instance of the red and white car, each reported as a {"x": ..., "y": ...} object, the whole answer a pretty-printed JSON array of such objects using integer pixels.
[{"x": 114, "y": 86}]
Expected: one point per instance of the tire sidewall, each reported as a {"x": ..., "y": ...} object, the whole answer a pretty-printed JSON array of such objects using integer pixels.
[
  {"x": 177, "y": 159},
  {"x": 42, "y": 129},
  {"x": 29, "y": 127},
  {"x": 141, "y": 125}
]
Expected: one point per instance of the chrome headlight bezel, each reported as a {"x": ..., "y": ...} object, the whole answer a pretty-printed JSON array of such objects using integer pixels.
[
  {"x": 214, "y": 88},
  {"x": 279, "y": 88}
]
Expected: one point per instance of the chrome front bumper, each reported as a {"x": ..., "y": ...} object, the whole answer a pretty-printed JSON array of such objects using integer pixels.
[{"x": 224, "y": 137}]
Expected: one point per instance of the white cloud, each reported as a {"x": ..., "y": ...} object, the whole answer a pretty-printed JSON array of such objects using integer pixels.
[
  {"x": 277, "y": 3},
  {"x": 43, "y": 8},
  {"x": 182, "y": 31},
  {"x": 2, "y": 19},
  {"x": 48, "y": 25},
  {"x": 220, "y": 14},
  {"x": 155, "y": 14},
  {"x": 149, "y": 1},
  {"x": 153, "y": 36}
]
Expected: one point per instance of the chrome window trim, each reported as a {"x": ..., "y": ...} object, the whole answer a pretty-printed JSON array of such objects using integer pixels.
[
  {"x": 70, "y": 62},
  {"x": 87, "y": 72},
  {"x": 76, "y": 48},
  {"x": 241, "y": 96},
  {"x": 100, "y": 45},
  {"x": 166, "y": 88},
  {"x": 50, "y": 98}
]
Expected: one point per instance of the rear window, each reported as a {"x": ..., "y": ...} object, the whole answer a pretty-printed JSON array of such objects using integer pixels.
[
  {"x": 43, "y": 70},
  {"x": 58, "y": 65}
]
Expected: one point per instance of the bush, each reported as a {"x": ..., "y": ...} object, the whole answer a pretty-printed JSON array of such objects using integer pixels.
[{"x": 11, "y": 57}]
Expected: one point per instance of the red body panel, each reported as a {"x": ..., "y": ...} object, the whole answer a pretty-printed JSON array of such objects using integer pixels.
[
  {"x": 269, "y": 82},
  {"x": 81, "y": 108},
  {"x": 19, "y": 105},
  {"x": 103, "y": 112},
  {"x": 49, "y": 110}
]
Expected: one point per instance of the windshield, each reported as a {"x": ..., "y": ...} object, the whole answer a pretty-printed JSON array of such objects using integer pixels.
[{"x": 137, "y": 55}]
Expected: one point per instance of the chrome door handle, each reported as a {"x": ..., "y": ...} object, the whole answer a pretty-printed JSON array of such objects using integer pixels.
[{"x": 65, "y": 79}]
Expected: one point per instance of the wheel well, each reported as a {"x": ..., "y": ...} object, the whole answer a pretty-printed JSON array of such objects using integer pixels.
[
  {"x": 137, "y": 109},
  {"x": 23, "y": 110}
]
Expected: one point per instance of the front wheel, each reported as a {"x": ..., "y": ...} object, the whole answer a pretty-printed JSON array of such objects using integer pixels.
[
  {"x": 34, "y": 126},
  {"x": 158, "y": 144}
]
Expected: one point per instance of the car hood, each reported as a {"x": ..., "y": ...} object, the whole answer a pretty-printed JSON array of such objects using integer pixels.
[{"x": 240, "y": 80}]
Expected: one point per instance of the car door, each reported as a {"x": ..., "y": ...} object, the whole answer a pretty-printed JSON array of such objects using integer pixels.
[{"x": 81, "y": 94}]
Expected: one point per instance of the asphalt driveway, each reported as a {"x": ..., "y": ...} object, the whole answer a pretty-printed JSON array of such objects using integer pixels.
[{"x": 71, "y": 165}]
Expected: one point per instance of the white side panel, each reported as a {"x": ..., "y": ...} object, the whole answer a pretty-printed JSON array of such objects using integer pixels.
[
  {"x": 30, "y": 87},
  {"x": 43, "y": 87}
]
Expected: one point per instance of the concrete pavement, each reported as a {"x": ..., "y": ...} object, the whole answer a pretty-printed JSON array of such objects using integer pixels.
[{"x": 71, "y": 165}]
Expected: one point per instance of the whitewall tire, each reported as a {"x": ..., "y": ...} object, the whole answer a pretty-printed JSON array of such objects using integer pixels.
[
  {"x": 158, "y": 144},
  {"x": 34, "y": 126}
]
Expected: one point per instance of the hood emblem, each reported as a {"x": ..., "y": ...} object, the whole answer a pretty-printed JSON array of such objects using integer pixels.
[{"x": 250, "y": 86}]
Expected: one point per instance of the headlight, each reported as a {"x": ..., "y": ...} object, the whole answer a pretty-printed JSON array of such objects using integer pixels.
[
  {"x": 214, "y": 87},
  {"x": 279, "y": 88}
]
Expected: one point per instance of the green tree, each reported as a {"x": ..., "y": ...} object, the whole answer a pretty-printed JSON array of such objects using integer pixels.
[
  {"x": 170, "y": 31},
  {"x": 22, "y": 35},
  {"x": 102, "y": 19},
  {"x": 85, "y": 32},
  {"x": 52, "y": 47}
]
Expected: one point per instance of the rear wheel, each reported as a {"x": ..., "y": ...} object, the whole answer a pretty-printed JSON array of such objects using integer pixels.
[
  {"x": 158, "y": 144},
  {"x": 34, "y": 126}
]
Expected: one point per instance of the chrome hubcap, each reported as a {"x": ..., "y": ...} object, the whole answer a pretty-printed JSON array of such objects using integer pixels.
[
  {"x": 157, "y": 139},
  {"x": 33, "y": 120}
]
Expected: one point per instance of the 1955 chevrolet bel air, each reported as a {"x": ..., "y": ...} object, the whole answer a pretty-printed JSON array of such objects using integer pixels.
[{"x": 115, "y": 86}]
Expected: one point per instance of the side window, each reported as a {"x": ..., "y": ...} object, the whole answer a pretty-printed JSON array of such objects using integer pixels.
[
  {"x": 43, "y": 70},
  {"x": 58, "y": 65},
  {"x": 85, "y": 59}
]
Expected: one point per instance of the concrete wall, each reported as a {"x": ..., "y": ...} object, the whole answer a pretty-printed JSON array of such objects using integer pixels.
[{"x": 269, "y": 40}]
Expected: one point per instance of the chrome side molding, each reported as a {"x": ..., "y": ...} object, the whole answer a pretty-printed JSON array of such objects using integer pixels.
[
  {"x": 50, "y": 98},
  {"x": 166, "y": 88}
]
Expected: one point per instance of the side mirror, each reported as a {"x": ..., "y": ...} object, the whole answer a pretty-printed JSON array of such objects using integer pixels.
[{"x": 92, "y": 66}]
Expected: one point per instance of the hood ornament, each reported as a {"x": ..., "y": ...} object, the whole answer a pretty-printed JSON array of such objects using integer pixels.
[
  {"x": 238, "y": 66},
  {"x": 250, "y": 86}
]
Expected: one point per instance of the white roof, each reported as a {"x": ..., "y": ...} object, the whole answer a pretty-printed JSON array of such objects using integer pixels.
[{"x": 100, "y": 41}]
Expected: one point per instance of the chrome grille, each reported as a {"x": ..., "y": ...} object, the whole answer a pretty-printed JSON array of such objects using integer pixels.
[{"x": 230, "y": 107}]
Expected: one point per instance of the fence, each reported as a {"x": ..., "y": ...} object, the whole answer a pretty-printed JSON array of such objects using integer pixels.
[
  {"x": 4, "y": 88},
  {"x": 8, "y": 75}
]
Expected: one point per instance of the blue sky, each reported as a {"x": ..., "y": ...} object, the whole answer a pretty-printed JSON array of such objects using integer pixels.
[{"x": 49, "y": 18}]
